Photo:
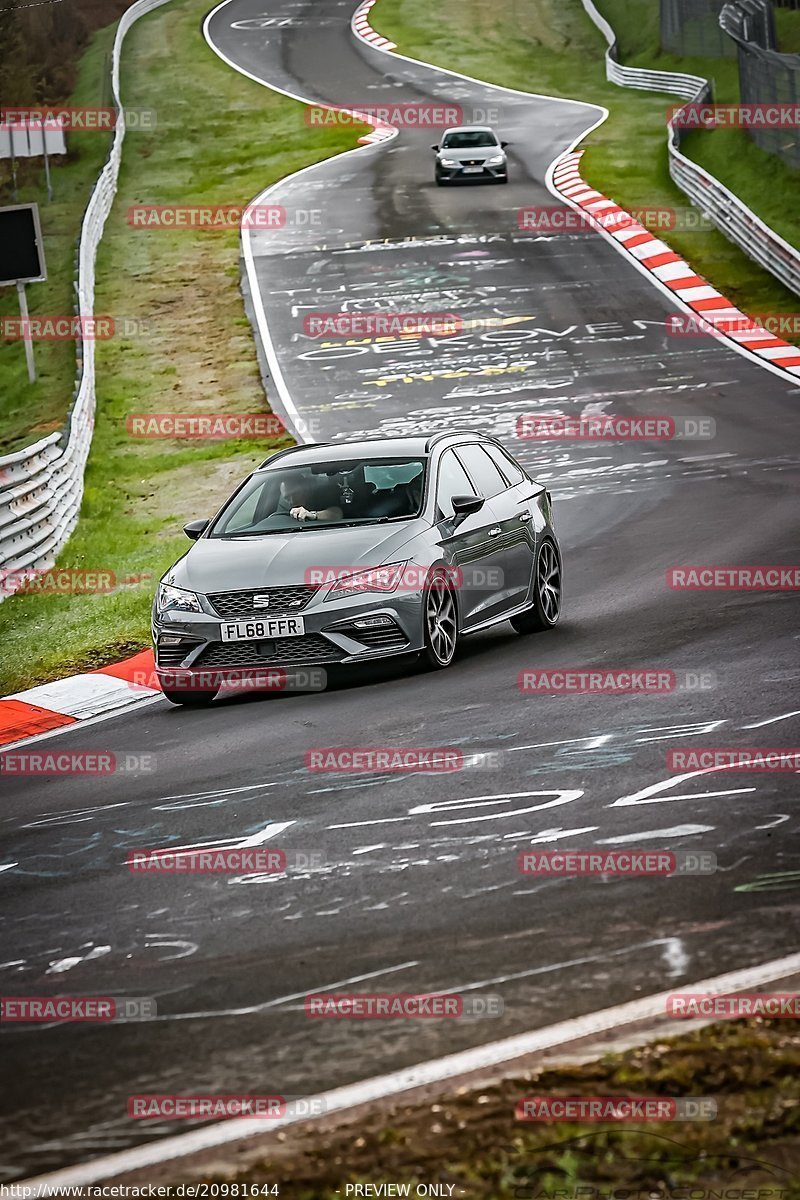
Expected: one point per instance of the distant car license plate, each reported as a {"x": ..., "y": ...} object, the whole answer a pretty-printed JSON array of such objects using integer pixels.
[
  {"x": 263, "y": 630},
  {"x": 472, "y": 170}
]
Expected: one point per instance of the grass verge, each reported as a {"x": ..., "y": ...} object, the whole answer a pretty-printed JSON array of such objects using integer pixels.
[
  {"x": 471, "y": 1140},
  {"x": 551, "y": 47},
  {"x": 31, "y": 410},
  {"x": 220, "y": 139}
]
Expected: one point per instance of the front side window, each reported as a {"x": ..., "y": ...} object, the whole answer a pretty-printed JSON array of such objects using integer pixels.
[{"x": 453, "y": 481}]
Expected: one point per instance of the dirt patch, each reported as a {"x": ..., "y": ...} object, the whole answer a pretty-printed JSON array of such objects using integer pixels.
[{"x": 471, "y": 1139}]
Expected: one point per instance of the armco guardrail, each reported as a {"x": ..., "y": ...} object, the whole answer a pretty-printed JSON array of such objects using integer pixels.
[
  {"x": 726, "y": 210},
  {"x": 41, "y": 487}
]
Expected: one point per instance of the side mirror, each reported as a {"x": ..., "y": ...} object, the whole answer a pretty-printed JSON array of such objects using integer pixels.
[
  {"x": 436, "y": 147},
  {"x": 464, "y": 506},
  {"x": 503, "y": 145},
  {"x": 195, "y": 528}
]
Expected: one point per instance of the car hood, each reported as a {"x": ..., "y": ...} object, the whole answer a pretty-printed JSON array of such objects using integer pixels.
[
  {"x": 276, "y": 560},
  {"x": 477, "y": 153}
]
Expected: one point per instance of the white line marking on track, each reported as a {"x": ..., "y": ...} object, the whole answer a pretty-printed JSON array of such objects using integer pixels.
[
  {"x": 256, "y": 1008},
  {"x": 673, "y": 831},
  {"x": 773, "y": 720},
  {"x": 439, "y": 1070}
]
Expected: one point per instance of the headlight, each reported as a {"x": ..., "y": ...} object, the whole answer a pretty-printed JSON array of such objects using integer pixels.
[
  {"x": 449, "y": 162},
  {"x": 178, "y": 598},
  {"x": 376, "y": 579},
  {"x": 496, "y": 161}
]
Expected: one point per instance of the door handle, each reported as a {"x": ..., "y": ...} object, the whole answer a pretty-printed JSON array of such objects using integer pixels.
[
  {"x": 524, "y": 516},
  {"x": 495, "y": 531}
]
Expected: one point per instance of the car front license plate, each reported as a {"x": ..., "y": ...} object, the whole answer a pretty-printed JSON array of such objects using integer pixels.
[
  {"x": 472, "y": 170},
  {"x": 263, "y": 630}
]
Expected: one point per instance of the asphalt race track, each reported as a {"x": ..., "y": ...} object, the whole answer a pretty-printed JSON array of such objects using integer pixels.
[{"x": 419, "y": 888}]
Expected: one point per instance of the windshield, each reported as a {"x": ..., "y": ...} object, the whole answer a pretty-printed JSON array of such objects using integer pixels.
[
  {"x": 465, "y": 141},
  {"x": 323, "y": 495}
]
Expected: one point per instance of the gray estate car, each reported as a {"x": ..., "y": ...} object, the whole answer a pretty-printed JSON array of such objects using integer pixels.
[
  {"x": 468, "y": 153},
  {"x": 343, "y": 553}
]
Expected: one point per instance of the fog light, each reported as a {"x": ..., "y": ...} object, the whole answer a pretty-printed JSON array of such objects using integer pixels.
[
  {"x": 167, "y": 640},
  {"x": 372, "y": 622}
]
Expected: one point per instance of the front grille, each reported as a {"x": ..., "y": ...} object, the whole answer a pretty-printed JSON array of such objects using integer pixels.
[
  {"x": 302, "y": 651},
  {"x": 232, "y": 605}
]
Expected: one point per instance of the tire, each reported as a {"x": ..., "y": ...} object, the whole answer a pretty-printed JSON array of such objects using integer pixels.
[
  {"x": 547, "y": 593},
  {"x": 440, "y": 622},
  {"x": 189, "y": 699}
]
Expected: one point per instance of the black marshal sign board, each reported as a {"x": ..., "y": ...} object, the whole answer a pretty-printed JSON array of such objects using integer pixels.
[{"x": 21, "y": 247}]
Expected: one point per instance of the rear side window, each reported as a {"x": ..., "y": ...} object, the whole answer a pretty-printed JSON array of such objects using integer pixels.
[
  {"x": 485, "y": 474},
  {"x": 513, "y": 473},
  {"x": 453, "y": 481}
]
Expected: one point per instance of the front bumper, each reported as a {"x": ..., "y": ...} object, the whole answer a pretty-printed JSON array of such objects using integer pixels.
[
  {"x": 461, "y": 175},
  {"x": 188, "y": 644}
]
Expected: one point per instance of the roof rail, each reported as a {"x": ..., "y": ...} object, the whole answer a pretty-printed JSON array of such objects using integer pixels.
[
  {"x": 290, "y": 450},
  {"x": 437, "y": 437}
]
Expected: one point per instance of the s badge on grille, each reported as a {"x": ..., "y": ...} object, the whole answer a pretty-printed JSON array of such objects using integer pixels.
[{"x": 261, "y": 600}]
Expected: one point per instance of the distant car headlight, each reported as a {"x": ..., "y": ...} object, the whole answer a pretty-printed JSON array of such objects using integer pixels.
[
  {"x": 449, "y": 162},
  {"x": 376, "y": 579},
  {"x": 174, "y": 597},
  {"x": 497, "y": 160}
]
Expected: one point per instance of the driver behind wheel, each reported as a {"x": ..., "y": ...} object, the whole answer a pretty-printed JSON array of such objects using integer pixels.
[{"x": 307, "y": 498}]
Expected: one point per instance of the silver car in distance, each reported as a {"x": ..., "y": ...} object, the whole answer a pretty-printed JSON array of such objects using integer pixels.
[
  {"x": 331, "y": 555},
  {"x": 469, "y": 153}
]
